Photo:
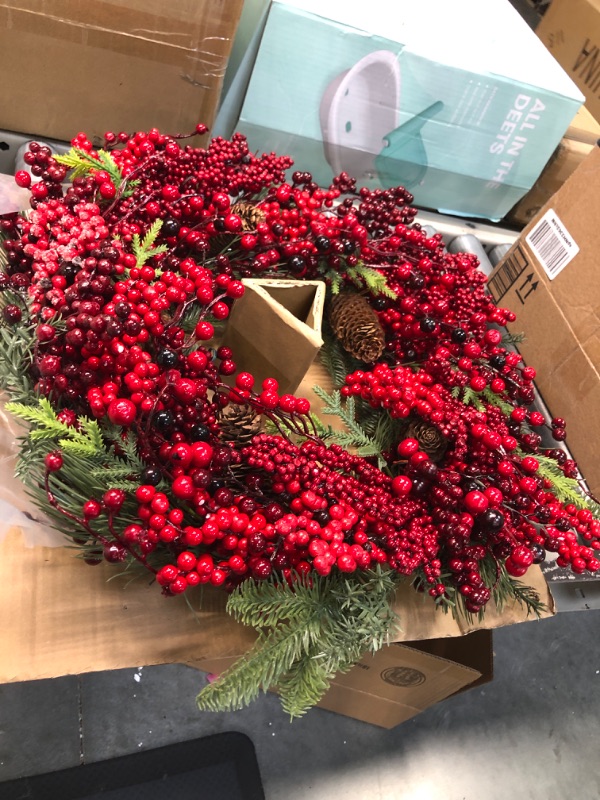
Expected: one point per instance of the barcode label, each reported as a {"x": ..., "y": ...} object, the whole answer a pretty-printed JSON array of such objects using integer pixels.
[{"x": 552, "y": 244}]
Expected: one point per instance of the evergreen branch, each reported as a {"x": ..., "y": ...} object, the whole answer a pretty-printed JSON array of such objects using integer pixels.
[
  {"x": 370, "y": 418},
  {"x": 86, "y": 439},
  {"x": 81, "y": 447},
  {"x": 526, "y": 596},
  {"x": 495, "y": 400},
  {"x": 567, "y": 490},
  {"x": 334, "y": 358},
  {"x": 468, "y": 396},
  {"x": 355, "y": 436},
  {"x": 118, "y": 472},
  {"x": 144, "y": 249},
  {"x": 387, "y": 430},
  {"x": 83, "y": 163},
  {"x": 336, "y": 282},
  {"x": 374, "y": 281},
  {"x": 42, "y": 415},
  {"x": 304, "y": 685},
  {"x": 512, "y": 338},
  {"x": 323, "y": 431},
  {"x": 16, "y": 345},
  {"x": 505, "y": 589},
  {"x": 259, "y": 669},
  {"x": 265, "y": 604},
  {"x": 309, "y": 632}
]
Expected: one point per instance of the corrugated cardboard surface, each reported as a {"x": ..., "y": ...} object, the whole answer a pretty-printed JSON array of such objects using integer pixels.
[
  {"x": 401, "y": 680},
  {"x": 561, "y": 317},
  {"x": 61, "y": 617},
  {"x": 273, "y": 319},
  {"x": 579, "y": 140},
  {"x": 570, "y": 29},
  {"x": 110, "y": 65}
]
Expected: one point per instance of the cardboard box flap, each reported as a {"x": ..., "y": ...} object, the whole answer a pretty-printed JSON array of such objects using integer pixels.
[
  {"x": 271, "y": 320},
  {"x": 395, "y": 684},
  {"x": 62, "y": 617},
  {"x": 570, "y": 29},
  {"x": 399, "y": 681},
  {"x": 419, "y": 619},
  {"x": 109, "y": 65},
  {"x": 584, "y": 129},
  {"x": 59, "y": 616}
]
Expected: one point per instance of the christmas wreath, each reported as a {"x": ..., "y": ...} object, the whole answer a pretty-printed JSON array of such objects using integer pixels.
[{"x": 150, "y": 450}]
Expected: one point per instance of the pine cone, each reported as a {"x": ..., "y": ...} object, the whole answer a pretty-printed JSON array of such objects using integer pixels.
[
  {"x": 251, "y": 215},
  {"x": 430, "y": 439},
  {"x": 357, "y": 326},
  {"x": 238, "y": 425}
]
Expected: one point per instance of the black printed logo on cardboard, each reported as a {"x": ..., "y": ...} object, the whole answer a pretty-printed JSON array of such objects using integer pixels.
[{"x": 403, "y": 676}]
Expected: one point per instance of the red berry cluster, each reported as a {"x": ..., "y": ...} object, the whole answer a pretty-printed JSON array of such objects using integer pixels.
[{"x": 125, "y": 276}]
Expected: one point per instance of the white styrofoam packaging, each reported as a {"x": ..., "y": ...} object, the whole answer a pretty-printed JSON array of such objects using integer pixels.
[{"x": 459, "y": 102}]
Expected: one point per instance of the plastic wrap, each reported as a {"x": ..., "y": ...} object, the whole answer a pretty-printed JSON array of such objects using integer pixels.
[{"x": 16, "y": 507}]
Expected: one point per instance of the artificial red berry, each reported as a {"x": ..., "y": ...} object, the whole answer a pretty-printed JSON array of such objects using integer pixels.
[{"x": 122, "y": 412}]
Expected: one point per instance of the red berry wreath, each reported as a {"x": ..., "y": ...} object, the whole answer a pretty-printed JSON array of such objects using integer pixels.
[{"x": 115, "y": 289}]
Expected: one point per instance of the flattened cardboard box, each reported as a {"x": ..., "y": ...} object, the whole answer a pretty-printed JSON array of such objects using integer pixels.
[
  {"x": 60, "y": 617},
  {"x": 550, "y": 279},
  {"x": 128, "y": 65},
  {"x": 403, "y": 679}
]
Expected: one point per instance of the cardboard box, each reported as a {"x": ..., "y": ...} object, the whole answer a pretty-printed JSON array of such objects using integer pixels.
[
  {"x": 401, "y": 680},
  {"x": 113, "y": 65},
  {"x": 570, "y": 29},
  {"x": 284, "y": 317},
  {"x": 549, "y": 278},
  {"x": 579, "y": 140},
  {"x": 391, "y": 99}
]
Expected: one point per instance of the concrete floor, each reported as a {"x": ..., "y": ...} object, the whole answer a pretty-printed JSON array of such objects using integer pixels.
[{"x": 532, "y": 733}]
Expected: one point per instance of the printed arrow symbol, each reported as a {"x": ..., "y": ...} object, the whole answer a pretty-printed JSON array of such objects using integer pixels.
[
  {"x": 527, "y": 280},
  {"x": 532, "y": 288}
]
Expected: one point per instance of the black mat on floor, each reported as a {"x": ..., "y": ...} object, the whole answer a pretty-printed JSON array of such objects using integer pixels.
[{"x": 219, "y": 767}]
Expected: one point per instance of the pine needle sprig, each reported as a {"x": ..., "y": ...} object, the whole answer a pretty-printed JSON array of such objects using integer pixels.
[
  {"x": 468, "y": 396},
  {"x": 567, "y": 490},
  {"x": 495, "y": 400},
  {"x": 336, "y": 360},
  {"x": 364, "y": 277},
  {"x": 85, "y": 439},
  {"x": 335, "y": 281},
  {"x": 354, "y": 437},
  {"x": 509, "y": 339},
  {"x": 308, "y": 632},
  {"x": 16, "y": 346},
  {"x": 144, "y": 249},
  {"x": 81, "y": 163}
]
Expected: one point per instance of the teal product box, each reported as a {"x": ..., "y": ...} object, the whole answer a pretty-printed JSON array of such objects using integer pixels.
[{"x": 457, "y": 101}]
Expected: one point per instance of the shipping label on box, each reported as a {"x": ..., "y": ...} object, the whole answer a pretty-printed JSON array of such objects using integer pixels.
[
  {"x": 550, "y": 280},
  {"x": 439, "y": 108}
]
